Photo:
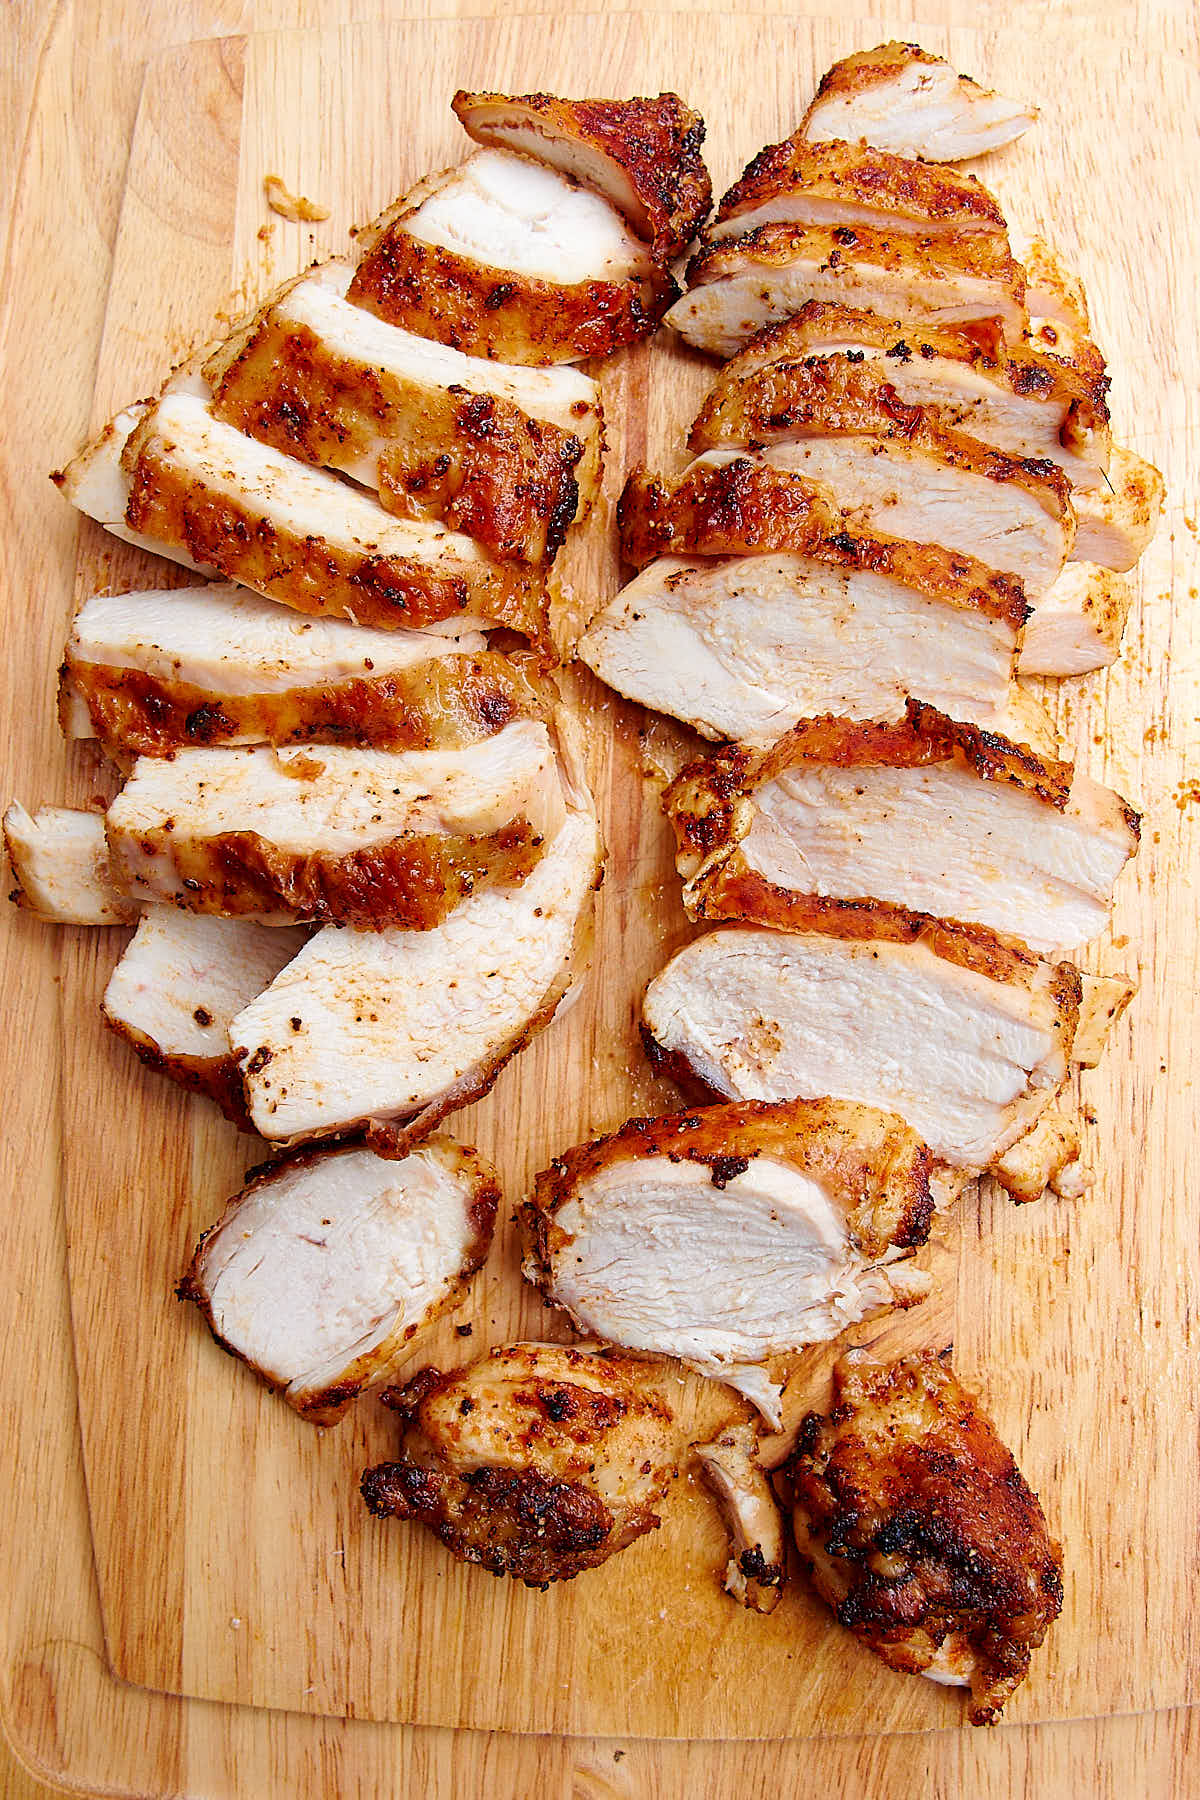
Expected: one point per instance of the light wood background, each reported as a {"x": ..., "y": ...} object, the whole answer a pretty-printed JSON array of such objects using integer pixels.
[{"x": 68, "y": 134}]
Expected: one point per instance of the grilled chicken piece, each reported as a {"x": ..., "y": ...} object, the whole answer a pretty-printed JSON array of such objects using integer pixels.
[
  {"x": 744, "y": 646},
  {"x": 921, "y": 817},
  {"x": 97, "y": 485},
  {"x": 148, "y": 673},
  {"x": 60, "y": 863},
  {"x": 799, "y": 182},
  {"x": 921, "y": 1532},
  {"x": 539, "y": 1461},
  {"x": 180, "y": 981},
  {"x": 898, "y": 97},
  {"x": 966, "y": 1039},
  {"x": 373, "y": 1250},
  {"x": 1078, "y": 623},
  {"x": 1056, "y": 300},
  {"x": 1103, "y": 1001},
  {"x": 398, "y": 1028},
  {"x": 641, "y": 155},
  {"x": 738, "y": 286},
  {"x": 1046, "y": 1157},
  {"x": 506, "y": 258},
  {"x": 369, "y": 838},
  {"x": 1116, "y": 523},
  {"x": 733, "y": 1236},
  {"x": 509, "y": 456},
  {"x": 757, "y": 1567}
]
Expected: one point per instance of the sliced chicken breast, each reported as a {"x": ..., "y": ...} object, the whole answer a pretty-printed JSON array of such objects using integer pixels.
[
  {"x": 641, "y": 155},
  {"x": 757, "y": 1567},
  {"x": 1078, "y": 623},
  {"x": 374, "y": 1251},
  {"x": 368, "y": 838},
  {"x": 927, "y": 816},
  {"x": 744, "y": 646},
  {"x": 1104, "y": 999},
  {"x": 59, "y": 859},
  {"x": 503, "y": 257},
  {"x": 1046, "y": 1157},
  {"x": 965, "y": 1039},
  {"x": 901, "y": 98},
  {"x": 1059, "y": 316},
  {"x": 734, "y": 1235},
  {"x": 1116, "y": 523},
  {"x": 97, "y": 485},
  {"x": 509, "y": 456},
  {"x": 180, "y": 981}
]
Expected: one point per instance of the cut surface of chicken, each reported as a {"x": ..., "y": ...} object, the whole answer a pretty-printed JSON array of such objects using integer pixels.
[
  {"x": 400, "y": 1028},
  {"x": 1116, "y": 523},
  {"x": 757, "y": 1567},
  {"x": 377, "y": 1250},
  {"x": 740, "y": 285},
  {"x": 1059, "y": 316},
  {"x": 920, "y": 1531},
  {"x": 964, "y": 1038},
  {"x": 925, "y": 816},
  {"x": 96, "y": 484},
  {"x": 1102, "y": 1003},
  {"x": 59, "y": 859},
  {"x": 899, "y": 97},
  {"x": 744, "y": 646},
  {"x": 180, "y": 981},
  {"x": 641, "y": 155},
  {"x": 539, "y": 1461},
  {"x": 506, "y": 455},
  {"x": 1078, "y": 622},
  {"x": 733, "y": 1235},
  {"x": 1046, "y": 1157},
  {"x": 504, "y": 257}
]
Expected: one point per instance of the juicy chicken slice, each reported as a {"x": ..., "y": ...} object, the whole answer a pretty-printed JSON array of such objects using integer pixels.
[
  {"x": 181, "y": 980},
  {"x": 966, "y": 1039},
  {"x": 738, "y": 286},
  {"x": 921, "y": 817},
  {"x": 1101, "y": 1006},
  {"x": 60, "y": 863},
  {"x": 509, "y": 456},
  {"x": 642, "y": 155},
  {"x": 901, "y": 98},
  {"x": 149, "y": 673},
  {"x": 744, "y": 646},
  {"x": 369, "y": 838},
  {"x": 1078, "y": 623},
  {"x": 1059, "y": 316},
  {"x": 920, "y": 1531},
  {"x": 1046, "y": 1157},
  {"x": 96, "y": 484},
  {"x": 503, "y": 257},
  {"x": 376, "y": 1250},
  {"x": 757, "y": 1567},
  {"x": 733, "y": 1236},
  {"x": 396, "y": 1029},
  {"x": 1116, "y": 523},
  {"x": 538, "y": 1461},
  {"x": 799, "y": 182}
]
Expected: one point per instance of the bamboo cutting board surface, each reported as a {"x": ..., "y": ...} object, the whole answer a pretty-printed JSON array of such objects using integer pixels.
[{"x": 234, "y": 1558}]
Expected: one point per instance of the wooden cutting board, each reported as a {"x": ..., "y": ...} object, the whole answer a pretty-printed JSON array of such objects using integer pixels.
[{"x": 235, "y": 1561}]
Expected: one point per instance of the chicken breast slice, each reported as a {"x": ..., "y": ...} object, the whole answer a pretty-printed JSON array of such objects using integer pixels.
[
  {"x": 369, "y": 838},
  {"x": 539, "y": 1461},
  {"x": 1046, "y": 1157},
  {"x": 641, "y": 155},
  {"x": 399, "y": 1028},
  {"x": 373, "y": 1250},
  {"x": 1078, "y": 622},
  {"x": 1103, "y": 1002},
  {"x": 503, "y": 257},
  {"x": 180, "y": 981},
  {"x": 928, "y": 817},
  {"x": 757, "y": 1567},
  {"x": 920, "y": 1531},
  {"x": 734, "y": 1235},
  {"x": 59, "y": 859},
  {"x": 901, "y": 98},
  {"x": 965, "y": 1039},
  {"x": 1116, "y": 523}
]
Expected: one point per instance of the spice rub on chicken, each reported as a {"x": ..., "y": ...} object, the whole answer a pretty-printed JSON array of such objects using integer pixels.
[
  {"x": 899, "y": 97},
  {"x": 733, "y": 1236},
  {"x": 921, "y": 1532},
  {"x": 537, "y": 1462}
]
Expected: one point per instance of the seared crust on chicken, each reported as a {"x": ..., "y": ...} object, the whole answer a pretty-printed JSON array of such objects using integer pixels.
[
  {"x": 901, "y": 98},
  {"x": 642, "y": 155},
  {"x": 60, "y": 863},
  {"x": 921, "y": 1532},
  {"x": 537, "y": 1462},
  {"x": 757, "y": 1567}
]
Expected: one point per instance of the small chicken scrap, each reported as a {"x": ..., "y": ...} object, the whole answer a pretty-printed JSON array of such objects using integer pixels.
[
  {"x": 757, "y": 1566},
  {"x": 920, "y": 1530}
]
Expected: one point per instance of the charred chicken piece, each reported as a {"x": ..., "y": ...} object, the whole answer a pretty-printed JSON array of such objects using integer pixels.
[
  {"x": 60, "y": 863},
  {"x": 901, "y": 98},
  {"x": 921, "y": 1532},
  {"x": 757, "y": 1567},
  {"x": 537, "y": 1462}
]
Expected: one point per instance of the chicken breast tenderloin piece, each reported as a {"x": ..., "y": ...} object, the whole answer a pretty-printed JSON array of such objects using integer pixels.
[
  {"x": 539, "y": 1461},
  {"x": 966, "y": 1039},
  {"x": 733, "y": 1236},
  {"x": 901, "y": 98},
  {"x": 921, "y": 1532},
  {"x": 377, "y": 1249},
  {"x": 757, "y": 1567},
  {"x": 60, "y": 863}
]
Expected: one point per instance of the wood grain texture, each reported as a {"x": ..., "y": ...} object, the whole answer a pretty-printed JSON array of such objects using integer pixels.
[{"x": 51, "y": 1600}]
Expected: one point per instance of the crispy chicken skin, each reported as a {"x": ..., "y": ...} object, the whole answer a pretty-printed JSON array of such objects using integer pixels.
[
  {"x": 642, "y": 155},
  {"x": 901, "y": 98},
  {"x": 921, "y": 1532},
  {"x": 757, "y": 1566},
  {"x": 537, "y": 1462}
]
